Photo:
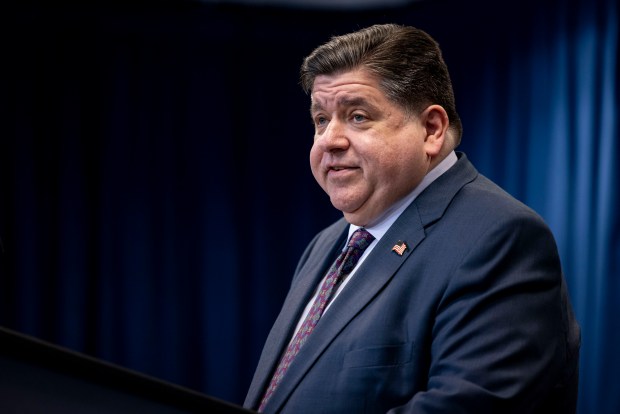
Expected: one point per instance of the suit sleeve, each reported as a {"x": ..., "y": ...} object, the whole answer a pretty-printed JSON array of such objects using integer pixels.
[{"x": 498, "y": 335}]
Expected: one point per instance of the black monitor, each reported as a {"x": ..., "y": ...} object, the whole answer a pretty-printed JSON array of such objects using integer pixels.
[{"x": 38, "y": 377}]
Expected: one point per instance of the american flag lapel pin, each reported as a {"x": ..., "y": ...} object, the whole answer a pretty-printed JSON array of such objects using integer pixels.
[{"x": 400, "y": 248}]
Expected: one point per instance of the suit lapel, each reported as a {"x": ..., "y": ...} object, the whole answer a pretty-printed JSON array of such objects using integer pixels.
[
  {"x": 374, "y": 273},
  {"x": 324, "y": 252}
]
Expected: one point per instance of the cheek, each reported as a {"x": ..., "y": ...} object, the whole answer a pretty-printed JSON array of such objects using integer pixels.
[
  {"x": 398, "y": 168},
  {"x": 315, "y": 162},
  {"x": 388, "y": 162}
]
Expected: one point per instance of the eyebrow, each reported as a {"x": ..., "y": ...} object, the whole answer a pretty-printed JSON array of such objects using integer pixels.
[{"x": 344, "y": 102}]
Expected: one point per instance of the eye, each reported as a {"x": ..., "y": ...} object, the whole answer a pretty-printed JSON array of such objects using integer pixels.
[
  {"x": 357, "y": 118},
  {"x": 320, "y": 120}
]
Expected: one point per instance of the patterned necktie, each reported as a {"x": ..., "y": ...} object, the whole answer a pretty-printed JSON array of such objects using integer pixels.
[{"x": 345, "y": 262}]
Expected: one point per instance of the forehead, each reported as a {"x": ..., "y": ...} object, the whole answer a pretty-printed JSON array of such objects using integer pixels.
[{"x": 346, "y": 88}]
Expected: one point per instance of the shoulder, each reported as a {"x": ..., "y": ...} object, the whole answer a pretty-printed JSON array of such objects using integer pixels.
[
  {"x": 462, "y": 198},
  {"x": 324, "y": 243},
  {"x": 483, "y": 201},
  {"x": 483, "y": 222},
  {"x": 329, "y": 234}
]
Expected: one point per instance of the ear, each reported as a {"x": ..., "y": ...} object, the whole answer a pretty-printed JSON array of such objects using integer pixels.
[{"x": 435, "y": 121}]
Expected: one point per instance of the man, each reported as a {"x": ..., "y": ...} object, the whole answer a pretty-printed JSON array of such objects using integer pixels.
[{"x": 453, "y": 299}]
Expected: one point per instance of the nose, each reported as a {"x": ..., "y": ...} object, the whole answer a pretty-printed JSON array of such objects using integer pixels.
[{"x": 333, "y": 137}]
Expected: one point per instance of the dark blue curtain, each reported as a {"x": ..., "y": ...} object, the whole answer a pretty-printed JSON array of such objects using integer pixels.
[
  {"x": 545, "y": 126},
  {"x": 155, "y": 192}
]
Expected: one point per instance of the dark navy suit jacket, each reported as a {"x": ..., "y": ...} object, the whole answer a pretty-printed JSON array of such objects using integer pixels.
[{"x": 473, "y": 318}]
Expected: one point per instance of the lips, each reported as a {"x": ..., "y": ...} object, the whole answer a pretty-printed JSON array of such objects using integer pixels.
[
  {"x": 339, "y": 167},
  {"x": 339, "y": 171}
]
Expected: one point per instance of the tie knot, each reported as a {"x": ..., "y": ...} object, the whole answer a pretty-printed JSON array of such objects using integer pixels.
[{"x": 360, "y": 239}]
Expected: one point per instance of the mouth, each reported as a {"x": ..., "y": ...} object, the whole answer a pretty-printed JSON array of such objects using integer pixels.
[{"x": 340, "y": 171}]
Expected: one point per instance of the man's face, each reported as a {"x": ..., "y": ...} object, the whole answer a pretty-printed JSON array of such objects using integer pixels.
[{"x": 367, "y": 152}]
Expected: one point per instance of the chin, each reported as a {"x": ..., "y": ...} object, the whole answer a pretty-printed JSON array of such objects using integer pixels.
[
  {"x": 352, "y": 211},
  {"x": 355, "y": 219}
]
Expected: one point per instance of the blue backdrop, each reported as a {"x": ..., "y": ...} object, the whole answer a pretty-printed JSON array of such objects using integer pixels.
[{"x": 155, "y": 191}]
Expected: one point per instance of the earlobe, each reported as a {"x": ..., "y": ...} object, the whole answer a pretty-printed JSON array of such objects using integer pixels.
[{"x": 436, "y": 123}]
